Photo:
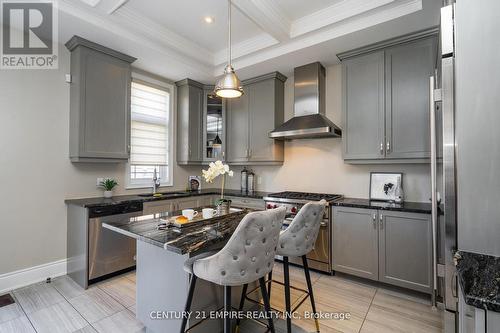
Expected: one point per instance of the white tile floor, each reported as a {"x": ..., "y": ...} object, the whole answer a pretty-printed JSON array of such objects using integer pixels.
[{"x": 109, "y": 306}]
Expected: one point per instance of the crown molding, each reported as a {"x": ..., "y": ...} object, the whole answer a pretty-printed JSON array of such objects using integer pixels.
[
  {"x": 117, "y": 5},
  {"x": 109, "y": 24},
  {"x": 333, "y": 14},
  {"x": 267, "y": 15},
  {"x": 163, "y": 35},
  {"x": 354, "y": 24},
  {"x": 245, "y": 47}
]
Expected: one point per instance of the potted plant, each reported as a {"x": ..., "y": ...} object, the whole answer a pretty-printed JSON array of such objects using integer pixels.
[
  {"x": 108, "y": 184},
  {"x": 216, "y": 169}
]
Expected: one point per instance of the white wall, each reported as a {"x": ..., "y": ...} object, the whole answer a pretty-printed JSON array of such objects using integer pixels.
[
  {"x": 36, "y": 174},
  {"x": 317, "y": 165}
]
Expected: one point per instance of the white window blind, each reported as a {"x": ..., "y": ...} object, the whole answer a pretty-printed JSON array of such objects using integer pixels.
[{"x": 149, "y": 125}]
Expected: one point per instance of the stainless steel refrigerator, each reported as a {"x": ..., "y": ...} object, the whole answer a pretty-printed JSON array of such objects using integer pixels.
[
  {"x": 465, "y": 168},
  {"x": 443, "y": 171}
]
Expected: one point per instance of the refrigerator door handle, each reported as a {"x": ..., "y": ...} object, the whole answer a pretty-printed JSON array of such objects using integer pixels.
[{"x": 432, "y": 111}]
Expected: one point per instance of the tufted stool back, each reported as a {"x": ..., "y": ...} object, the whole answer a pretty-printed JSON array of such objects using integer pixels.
[
  {"x": 249, "y": 253},
  {"x": 300, "y": 236}
]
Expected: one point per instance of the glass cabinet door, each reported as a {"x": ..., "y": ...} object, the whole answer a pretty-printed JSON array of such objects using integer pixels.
[{"x": 214, "y": 120}]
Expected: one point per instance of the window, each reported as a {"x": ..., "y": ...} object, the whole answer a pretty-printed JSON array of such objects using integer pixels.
[{"x": 150, "y": 132}]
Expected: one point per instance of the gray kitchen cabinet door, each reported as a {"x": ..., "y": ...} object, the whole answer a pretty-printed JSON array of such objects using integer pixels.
[
  {"x": 405, "y": 250},
  {"x": 363, "y": 107},
  {"x": 408, "y": 68},
  {"x": 355, "y": 241},
  {"x": 189, "y": 122},
  {"x": 266, "y": 102},
  {"x": 99, "y": 103},
  {"x": 237, "y": 129},
  {"x": 157, "y": 207}
]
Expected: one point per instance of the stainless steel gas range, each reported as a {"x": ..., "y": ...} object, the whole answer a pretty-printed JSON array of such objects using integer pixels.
[{"x": 321, "y": 257}]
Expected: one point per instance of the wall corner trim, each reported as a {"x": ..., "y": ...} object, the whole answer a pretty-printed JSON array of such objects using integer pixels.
[{"x": 26, "y": 276}]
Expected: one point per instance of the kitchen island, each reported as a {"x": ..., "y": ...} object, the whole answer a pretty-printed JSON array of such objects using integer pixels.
[{"x": 162, "y": 284}]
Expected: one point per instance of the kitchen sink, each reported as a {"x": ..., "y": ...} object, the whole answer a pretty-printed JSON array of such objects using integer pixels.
[{"x": 165, "y": 195}]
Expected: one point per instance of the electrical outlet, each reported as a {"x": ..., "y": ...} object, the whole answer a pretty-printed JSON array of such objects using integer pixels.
[
  {"x": 99, "y": 181},
  {"x": 259, "y": 180}
]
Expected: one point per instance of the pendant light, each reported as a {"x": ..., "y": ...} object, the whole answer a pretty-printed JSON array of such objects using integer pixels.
[
  {"x": 229, "y": 86},
  {"x": 217, "y": 141}
]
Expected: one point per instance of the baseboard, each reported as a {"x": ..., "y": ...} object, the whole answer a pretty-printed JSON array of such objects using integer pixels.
[{"x": 24, "y": 277}]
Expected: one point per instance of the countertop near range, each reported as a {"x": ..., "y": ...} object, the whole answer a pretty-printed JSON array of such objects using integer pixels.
[
  {"x": 195, "y": 238},
  {"x": 120, "y": 199},
  {"x": 479, "y": 278},
  {"x": 409, "y": 207}
]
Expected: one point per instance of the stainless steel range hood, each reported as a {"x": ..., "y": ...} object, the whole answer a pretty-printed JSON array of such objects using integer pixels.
[{"x": 309, "y": 119}]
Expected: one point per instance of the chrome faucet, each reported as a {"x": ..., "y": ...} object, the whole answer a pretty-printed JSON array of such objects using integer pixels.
[{"x": 156, "y": 182}]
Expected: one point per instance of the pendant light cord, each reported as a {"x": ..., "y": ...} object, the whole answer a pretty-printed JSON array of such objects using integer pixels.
[{"x": 229, "y": 32}]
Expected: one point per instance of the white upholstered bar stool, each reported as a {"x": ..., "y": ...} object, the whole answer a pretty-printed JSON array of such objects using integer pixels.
[{"x": 248, "y": 256}]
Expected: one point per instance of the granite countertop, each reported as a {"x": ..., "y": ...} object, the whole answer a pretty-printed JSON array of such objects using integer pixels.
[
  {"x": 409, "y": 207},
  {"x": 479, "y": 278},
  {"x": 200, "y": 236},
  {"x": 121, "y": 199}
]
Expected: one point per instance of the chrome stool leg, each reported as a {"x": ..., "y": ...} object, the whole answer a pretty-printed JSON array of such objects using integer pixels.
[{"x": 309, "y": 287}]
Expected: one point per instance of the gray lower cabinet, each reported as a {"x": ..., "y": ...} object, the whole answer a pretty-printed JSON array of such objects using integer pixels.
[
  {"x": 355, "y": 242},
  {"x": 386, "y": 246},
  {"x": 385, "y": 100},
  {"x": 405, "y": 250},
  {"x": 168, "y": 205},
  {"x": 190, "y": 101},
  {"x": 251, "y": 117},
  {"x": 251, "y": 203},
  {"x": 99, "y": 103}
]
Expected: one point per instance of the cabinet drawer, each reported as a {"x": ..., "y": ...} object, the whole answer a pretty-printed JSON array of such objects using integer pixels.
[{"x": 251, "y": 203}]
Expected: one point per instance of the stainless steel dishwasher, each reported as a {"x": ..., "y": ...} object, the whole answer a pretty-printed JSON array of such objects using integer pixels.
[{"x": 108, "y": 251}]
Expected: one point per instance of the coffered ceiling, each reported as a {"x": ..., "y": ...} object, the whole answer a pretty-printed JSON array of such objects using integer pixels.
[{"x": 171, "y": 37}]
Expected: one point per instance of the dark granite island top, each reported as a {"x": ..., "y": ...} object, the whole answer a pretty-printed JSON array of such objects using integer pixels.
[
  {"x": 479, "y": 278},
  {"x": 198, "y": 237},
  {"x": 407, "y": 206}
]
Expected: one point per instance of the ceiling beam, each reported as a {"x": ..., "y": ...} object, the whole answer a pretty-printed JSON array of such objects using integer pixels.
[{"x": 267, "y": 15}]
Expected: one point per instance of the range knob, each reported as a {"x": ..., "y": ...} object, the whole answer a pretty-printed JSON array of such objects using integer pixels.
[
  {"x": 294, "y": 210},
  {"x": 269, "y": 206},
  {"x": 275, "y": 206}
]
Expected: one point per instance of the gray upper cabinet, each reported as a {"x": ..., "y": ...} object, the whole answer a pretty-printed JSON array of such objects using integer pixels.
[
  {"x": 407, "y": 71},
  {"x": 237, "y": 129},
  {"x": 363, "y": 106},
  {"x": 386, "y": 246},
  {"x": 355, "y": 242},
  {"x": 405, "y": 250},
  {"x": 99, "y": 103},
  {"x": 385, "y": 100},
  {"x": 190, "y": 96},
  {"x": 251, "y": 117}
]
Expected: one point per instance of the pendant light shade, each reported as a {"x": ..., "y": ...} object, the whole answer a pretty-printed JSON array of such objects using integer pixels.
[{"x": 229, "y": 86}]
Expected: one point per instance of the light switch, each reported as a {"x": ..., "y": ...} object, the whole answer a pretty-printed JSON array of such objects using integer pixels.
[{"x": 68, "y": 78}]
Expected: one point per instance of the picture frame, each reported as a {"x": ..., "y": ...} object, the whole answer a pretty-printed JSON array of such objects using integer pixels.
[
  {"x": 383, "y": 185},
  {"x": 194, "y": 183}
]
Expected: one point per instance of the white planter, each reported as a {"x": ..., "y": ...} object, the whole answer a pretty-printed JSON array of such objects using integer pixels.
[{"x": 108, "y": 194}]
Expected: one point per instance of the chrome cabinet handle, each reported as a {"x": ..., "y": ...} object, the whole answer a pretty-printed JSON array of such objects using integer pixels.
[
  {"x": 388, "y": 146},
  {"x": 381, "y": 219},
  {"x": 374, "y": 217},
  {"x": 381, "y": 148}
]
